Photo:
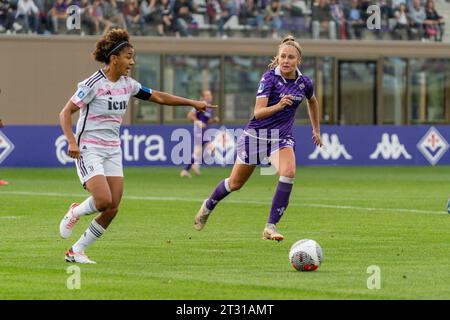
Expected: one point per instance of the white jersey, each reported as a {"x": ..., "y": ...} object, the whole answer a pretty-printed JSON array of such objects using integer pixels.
[{"x": 102, "y": 105}]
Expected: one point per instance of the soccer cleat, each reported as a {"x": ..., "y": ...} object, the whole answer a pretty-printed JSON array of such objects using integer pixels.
[
  {"x": 448, "y": 206},
  {"x": 67, "y": 223},
  {"x": 201, "y": 217},
  {"x": 270, "y": 233},
  {"x": 3, "y": 183},
  {"x": 185, "y": 173},
  {"x": 77, "y": 257},
  {"x": 196, "y": 169}
]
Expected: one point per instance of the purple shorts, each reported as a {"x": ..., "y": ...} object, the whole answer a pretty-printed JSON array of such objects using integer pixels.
[{"x": 254, "y": 150}]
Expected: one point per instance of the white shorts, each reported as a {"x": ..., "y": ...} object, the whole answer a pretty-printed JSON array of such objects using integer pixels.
[{"x": 99, "y": 161}]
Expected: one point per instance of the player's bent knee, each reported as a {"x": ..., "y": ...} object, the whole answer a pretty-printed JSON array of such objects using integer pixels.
[
  {"x": 110, "y": 214},
  {"x": 103, "y": 204}
]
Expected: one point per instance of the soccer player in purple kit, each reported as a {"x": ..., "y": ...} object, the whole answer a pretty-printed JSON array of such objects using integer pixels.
[
  {"x": 281, "y": 90},
  {"x": 201, "y": 120}
]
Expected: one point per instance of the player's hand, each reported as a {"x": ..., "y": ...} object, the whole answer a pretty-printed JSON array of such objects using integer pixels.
[
  {"x": 203, "y": 105},
  {"x": 73, "y": 151},
  {"x": 317, "y": 139},
  {"x": 286, "y": 101},
  {"x": 1, "y": 124}
]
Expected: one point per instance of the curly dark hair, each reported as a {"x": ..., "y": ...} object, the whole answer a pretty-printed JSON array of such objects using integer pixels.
[{"x": 108, "y": 42}]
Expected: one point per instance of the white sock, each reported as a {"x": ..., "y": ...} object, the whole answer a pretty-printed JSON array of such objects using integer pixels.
[
  {"x": 84, "y": 208},
  {"x": 92, "y": 233}
]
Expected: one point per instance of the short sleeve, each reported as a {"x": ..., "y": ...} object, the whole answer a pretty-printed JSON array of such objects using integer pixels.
[
  {"x": 265, "y": 86},
  {"x": 84, "y": 95},
  {"x": 309, "y": 88},
  {"x": 135, "y": 86}
]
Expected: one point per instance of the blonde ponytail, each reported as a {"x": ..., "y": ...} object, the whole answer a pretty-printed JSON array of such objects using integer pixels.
[{"x": 289, "y": 40}]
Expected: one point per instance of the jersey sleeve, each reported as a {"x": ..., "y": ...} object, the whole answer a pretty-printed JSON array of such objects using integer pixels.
[
  {"x": 84, "y": 95},
  {"x": 309, "y": 88},
  {"x": 139, "y": 91},
  {"x": 265, "y": 86}
]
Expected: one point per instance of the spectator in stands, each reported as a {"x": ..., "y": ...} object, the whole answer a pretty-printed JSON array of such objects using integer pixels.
[
  {"x": 387, "y": 12},
  {"x": 321, "y": 19},
  {"x": 337, "y": 14},
  {"x": 58, "y": 15},
  {"x": 354, "y": 21},
  {"x": 112, "y": 15},
  {"x": 251, "y": 15},
  {"x": 7, "y": 18},
  {"x": 152, "y": 14},
  {"x": 417, "y": 17},
  {"x": 87, "y": 20},
  {"x": 295, "y": 8},
  {"x": 401, "y": 22},
  {"x": 43, "y": 7},
  {"x": 167, "y": 16},
  {"x": 182, "y": 17},
  {"x": 213, "y": 10},
  {"x": 120, "y": 5},
  {"x": 434, "y": 23},
  {"x": 100, "y": 23},
  {"x": 272, "y": 16},
  {"x": 132, "y": 16},
  {"x": 27, "y": 10},
  {"x": 225, "y": 10}
]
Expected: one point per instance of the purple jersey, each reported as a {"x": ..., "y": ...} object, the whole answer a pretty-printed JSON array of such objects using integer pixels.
[
  {"x": 273, "y": 86},
  {"x": 204, "y": 116}
]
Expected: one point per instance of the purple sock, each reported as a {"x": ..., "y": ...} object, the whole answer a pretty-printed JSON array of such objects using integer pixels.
[
  {"x": 220, "y": 192},
  {"x": 280, "y": 199},
  {"x": 189, "y": 166}
]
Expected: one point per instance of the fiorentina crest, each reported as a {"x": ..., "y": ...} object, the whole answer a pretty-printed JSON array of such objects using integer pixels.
[
  {"x": 6, "y": 147},
  {"x": 433, "y": 146}
]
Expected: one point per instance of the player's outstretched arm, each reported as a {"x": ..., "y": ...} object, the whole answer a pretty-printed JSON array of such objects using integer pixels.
[
  {"x": 313, "y": 111},
  {"x": 65, "y": 120},
  {"x": 172, "y": 100}
]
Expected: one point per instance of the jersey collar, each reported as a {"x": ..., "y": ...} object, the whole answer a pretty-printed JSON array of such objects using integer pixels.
[{"x": 278, "y": 73}]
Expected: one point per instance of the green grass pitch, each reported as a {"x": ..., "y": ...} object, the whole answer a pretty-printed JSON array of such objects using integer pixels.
[{"x": 390, "y": 217}]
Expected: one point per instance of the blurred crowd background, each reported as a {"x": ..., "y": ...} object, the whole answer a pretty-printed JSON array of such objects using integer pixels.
[{"x": 423, "y": 20}]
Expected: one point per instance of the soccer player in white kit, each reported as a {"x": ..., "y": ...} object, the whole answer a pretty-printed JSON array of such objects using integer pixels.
[{"x": 102, "y": 100}]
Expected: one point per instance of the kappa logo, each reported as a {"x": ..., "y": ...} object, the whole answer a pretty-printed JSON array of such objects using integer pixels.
[
  {"x": 6, "y": 147},
  {"x": 390, "y": 148},
  {"x": 332, "y": 149},
  {"x": 61, "y": 150},
  {"x": 281, "y": 211},
  {"x": 433, "y": 146}
]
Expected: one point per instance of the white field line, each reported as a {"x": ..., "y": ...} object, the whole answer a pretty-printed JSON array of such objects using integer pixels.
[
  {"x": 10, "y": 217},
  {"x": 147, "y": 198}
]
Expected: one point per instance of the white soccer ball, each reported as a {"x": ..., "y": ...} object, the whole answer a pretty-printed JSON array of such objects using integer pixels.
[{"x": 305, "y": 255}]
